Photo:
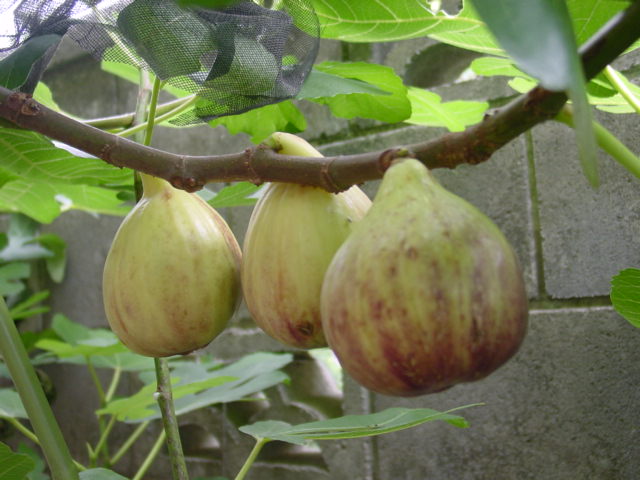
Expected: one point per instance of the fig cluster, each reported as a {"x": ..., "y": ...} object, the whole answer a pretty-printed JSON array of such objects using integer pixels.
[{"x": 414, "y": 292}]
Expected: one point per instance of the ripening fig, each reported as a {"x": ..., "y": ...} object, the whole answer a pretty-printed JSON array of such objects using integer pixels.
[
  {"x": 293, "y": 234},
  {"x": 425, "y": 293},
  {"x": 171, "y": 279}
]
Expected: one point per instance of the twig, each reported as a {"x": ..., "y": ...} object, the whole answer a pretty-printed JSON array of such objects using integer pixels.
[{"x": 260, "y": 164}]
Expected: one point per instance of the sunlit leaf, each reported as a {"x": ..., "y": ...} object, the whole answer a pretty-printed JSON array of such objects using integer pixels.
[
  {"x": 428, "y": 109},
  {"x": 394, "y": 106},
  {"x": 241, "y": 193},
  {"x": 262, "y": 122}
]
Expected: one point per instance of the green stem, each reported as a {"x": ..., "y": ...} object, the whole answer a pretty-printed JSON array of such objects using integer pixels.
[
  {"x": 251, "y": 458},
  {"x": 161, "y": 118},
  {"x": 96, "y": 380},
  {"x": 608, "y": 142},
  {"x": 169, "y": 420},
  {"x": 621, "y": 86},
  {"x": 130, "y": 441},
  {"x": 151, "y": 456},
  {"x": 115, "y": 380},
  {"x": 102, "y": 442},
  {"x": 35, "y": 403},
  {"x": 127, "y": 119},
  {"x": 157, "y": 84}
]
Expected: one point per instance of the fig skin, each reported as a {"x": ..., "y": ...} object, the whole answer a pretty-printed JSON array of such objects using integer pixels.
[
  {"x": 293, "y": 233},
  {"x": 426, "y": 293},
  {"x": 171, "y": 278}
]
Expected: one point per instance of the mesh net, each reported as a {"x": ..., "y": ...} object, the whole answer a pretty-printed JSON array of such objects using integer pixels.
[{"x": 234, "y": 55}]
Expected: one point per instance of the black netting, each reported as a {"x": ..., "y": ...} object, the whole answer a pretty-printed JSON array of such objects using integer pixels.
[{"x": 235, "y": 55}]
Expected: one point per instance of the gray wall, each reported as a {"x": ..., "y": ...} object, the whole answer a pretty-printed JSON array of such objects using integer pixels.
[{"x": 565, "y": 408}]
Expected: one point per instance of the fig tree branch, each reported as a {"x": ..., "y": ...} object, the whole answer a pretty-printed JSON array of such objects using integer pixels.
[{"x": 261, "y": 164}]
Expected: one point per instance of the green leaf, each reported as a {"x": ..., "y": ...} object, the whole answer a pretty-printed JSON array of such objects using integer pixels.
[
  {"x": 33, "y": 157},
  {"x": 56, "y": 264},
  {"x": 43, "y": 94},
  {"x": 11, "y": 276},
  {"x": 38, "y": 472},
  {"x": 44, "y": 202},
  {"x": 24, "y": 309},
  {"x": 100, "y": 474},
  {"x": 321, "y": 84},
  {"x": 14, "y": 466},
  {"x": 352, "y": 426},
  {"x": 132, "y": 74},
  {"x": 142, "y": 405},
  {"x": 625, "y": 295},
  {"x": 539, "y": 37},
  {"x": 15, "y": 68},
  {"x": 588, "y": 16},
  {"x": 21, "y": 237},
  {"x": 11, "y": 405},
  {"x": 390, "y": 20},
  {"x": 262, "y": 122},
  {"x": 241, "y": 193},
  {"x": 428, "y": 109},
  {"x": 252, "y": 373},
  {"x": 392, "y": 107}
]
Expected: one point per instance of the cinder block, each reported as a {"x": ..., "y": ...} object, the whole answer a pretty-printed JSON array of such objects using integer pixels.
[
  {"x": 564, "y": 408},
  {"x": 588, "y": 234}
]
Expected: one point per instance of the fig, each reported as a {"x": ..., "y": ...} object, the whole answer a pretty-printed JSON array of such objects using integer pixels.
[
  {"x": 171, "y": 279},
  {"x": 425, "y": 293},
  {"x": 293, "y": 233}
]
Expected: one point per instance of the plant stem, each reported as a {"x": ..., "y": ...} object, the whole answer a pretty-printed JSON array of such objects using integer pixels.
[
  {"x": 153, "y": 453},
  {"x": 251, "y": 458},
  {"x": 35, "y": 403},
  {"x": 115, "y": 380},
  {"x": 102, "y": 442},
  {"x": 127, "y": 119},
  {"x": 161, "y": 118},
  {"x": 163, "y": 375},
  {"x": 621, "y": 86},
  {"x": 169, "y": 420},
  {"x": 130, "y": 441},
  {"x": 96, "y": 380},
  {"x": 607, "y": 141}
]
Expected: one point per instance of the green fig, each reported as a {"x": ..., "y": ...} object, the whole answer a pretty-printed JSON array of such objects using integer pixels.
[
  {"x": 293, "y": 233},
  {"x": 426, "y": 293},
  {"x": 171, "y": 278}
]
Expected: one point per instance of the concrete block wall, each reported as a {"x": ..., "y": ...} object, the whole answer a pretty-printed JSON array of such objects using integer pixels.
[{"x": 565, "y": 408}]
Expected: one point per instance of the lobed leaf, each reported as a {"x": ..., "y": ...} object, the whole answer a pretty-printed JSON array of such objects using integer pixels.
[
  {"x": 352, "y": 426},
  {"x": 393, "y": 106}
]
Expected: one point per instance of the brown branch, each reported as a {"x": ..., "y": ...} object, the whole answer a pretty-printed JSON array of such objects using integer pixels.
[{"x": 260, "y": 164}]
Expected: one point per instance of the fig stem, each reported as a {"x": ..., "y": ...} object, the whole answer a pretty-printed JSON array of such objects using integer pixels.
[
  {"x": 163, "y": 374},
  {"x": 251, "y": 458},
  {"x": 34, "y": 400}
]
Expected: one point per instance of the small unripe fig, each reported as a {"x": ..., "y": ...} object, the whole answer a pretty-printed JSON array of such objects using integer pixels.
[
  {"x": 425, "y": 293},
  {"x": 171, "y": 279},
  {"x": 292, "y": 236}
]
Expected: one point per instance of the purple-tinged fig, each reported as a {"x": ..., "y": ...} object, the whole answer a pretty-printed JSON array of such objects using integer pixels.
[
  {"x": 292, "y": 236},
  {"x": 425, "y": 293},
  {"x": 171, "y": 280}
]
